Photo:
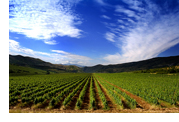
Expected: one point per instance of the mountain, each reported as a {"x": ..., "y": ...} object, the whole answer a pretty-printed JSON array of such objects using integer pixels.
[
  {"x": 74, "y": 65},
  {"x": 39, "y": 64},
  {"x": 42, "y": 66},
  {"x": 158, "y": 62}
]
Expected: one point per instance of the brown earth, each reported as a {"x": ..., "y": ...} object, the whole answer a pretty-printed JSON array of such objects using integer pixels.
[
  {"x": 72, "y": 104},
  {"x": 137, "y": 110},
  {"x": 109, "y": 101},
  {"x": 97, "y": 98},
  {"x": 86, "y": 100}
]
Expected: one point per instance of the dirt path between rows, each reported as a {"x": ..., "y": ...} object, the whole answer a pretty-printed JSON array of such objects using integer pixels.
[
  {"x": 97, "y": 98},
  {"x": 72, "y": 103},
  {"x": 139, "y": 100},
  {"x": 86, "y": 100},
  {"x": 137, "y": 110},
  {"x": 109, "y": 101}
]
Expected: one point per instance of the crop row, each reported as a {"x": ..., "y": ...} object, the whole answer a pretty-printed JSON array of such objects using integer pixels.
[
  {"x": 151, "y": 87},
  {"x": 101, "y": 95},
  {"x": 82, "y": 95},
  {"x": 115, "y": 97},
  {"x": 92, "y": 95},
  {"x": 117, "y": 94},
  {"x": 67, "y": 91},
  {"x": 39, "y": 89}
]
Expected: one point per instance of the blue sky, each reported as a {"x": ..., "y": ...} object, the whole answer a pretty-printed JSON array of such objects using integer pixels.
[{"x": 91, "y": 32}]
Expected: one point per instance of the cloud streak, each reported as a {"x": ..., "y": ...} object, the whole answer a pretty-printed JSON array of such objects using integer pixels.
[
  {"x": 105, "y": 17},
  {"x": 55, "y": 56},
  {"x": 110, "y": 36},
  {"x": 146, "y": 37},
  {"x": 44, "y": 19}
]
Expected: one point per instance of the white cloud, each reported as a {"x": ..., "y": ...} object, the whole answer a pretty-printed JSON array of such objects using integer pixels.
[
  {"x": 120, "y": 21},
  {"x": 147, "y": 37},
  {"x": 53, "y": 42},
  {"x": 110, "y": 36},
  {"x": 113, "y": 59},
  {"x": 65, "y": 57},
  {"x": 15, "y": 47},
  {"x": 55, "y": 56},
  {"x": 134, "y": 4},
  {"x": 44, "y": 19},
  {"x": 102, "y": 3},
  {"x": 130, "y": 20},
  {"x": 128, "y": 12},
  {"x": 59, "y": 51},
  {"x": 106, "y": 17}
]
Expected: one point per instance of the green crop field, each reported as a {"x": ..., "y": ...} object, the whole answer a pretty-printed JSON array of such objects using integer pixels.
[{"x": 97, "y": 92}]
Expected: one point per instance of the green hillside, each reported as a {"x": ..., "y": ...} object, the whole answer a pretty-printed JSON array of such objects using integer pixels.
[
  {"x": 21, "y": 70},
  {"x": 35, "y": 63},
  {"x": 158, "y": 62}
]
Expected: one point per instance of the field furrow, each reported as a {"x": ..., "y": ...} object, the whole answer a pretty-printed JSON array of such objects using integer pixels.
[
  {"x": 109, "y": 101},
  {"x": 97, "y": 98},
  {"x": 140, "y": 101},
  {"x": 94, "y": 93},
  {"x": 86, "y": 101}
]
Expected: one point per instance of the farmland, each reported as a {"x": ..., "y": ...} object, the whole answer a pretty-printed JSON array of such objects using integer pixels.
[{"x": 94, "y": 92}]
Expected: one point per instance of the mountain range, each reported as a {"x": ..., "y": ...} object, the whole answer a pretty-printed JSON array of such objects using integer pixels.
[
  {"x": 158, "y": 62},
  {"x": 36, "y": 63},
  {"x": 39, "y": 64}
]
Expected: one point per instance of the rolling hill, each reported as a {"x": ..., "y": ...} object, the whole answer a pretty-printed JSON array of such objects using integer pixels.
[
  {"x": 29, "y": 62},
  {"x": 36, "y": 63},
  {"x": 158, "y": 62}
]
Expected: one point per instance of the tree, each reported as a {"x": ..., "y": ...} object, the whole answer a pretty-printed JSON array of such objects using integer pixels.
[{"x": 48, "y": 72}]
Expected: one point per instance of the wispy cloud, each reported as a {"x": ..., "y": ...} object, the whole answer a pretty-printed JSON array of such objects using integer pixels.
[
  {"x": 44, "y": 19},
  {"x": 55, "y": 56},
  {"x": 65, "y": 58},
  {"x": 102, "y": 3},
  {"x": 53, "y": 42},
  {"x": 134, "y": 4},
  {"x": 146, "y": 37},
  {"x": 106, "y": 17},
  {"x": 110, "y": 36},
  {"x": 15, "y": 47},
  {"x": 128, "y": 12}
]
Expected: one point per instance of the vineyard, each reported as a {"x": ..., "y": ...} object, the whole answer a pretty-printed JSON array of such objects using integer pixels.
[{"x": 97, "y": 92}]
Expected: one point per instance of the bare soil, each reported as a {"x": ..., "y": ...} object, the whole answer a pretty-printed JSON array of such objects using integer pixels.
[
  {"x": 137, "y": 110},
  {"x": 86, "y": 100},
  {"x": 97, "y": 98},
  {"x": 109, "y": 101},
  {"x": 72, "y": 103}
]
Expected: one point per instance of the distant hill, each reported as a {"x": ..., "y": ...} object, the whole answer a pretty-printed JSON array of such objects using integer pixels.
[
  {"x": 158, "y": 62},
  {"x": 22, "y": 70},
  {"x": 30, "y": 65},
  {"x": 74, "y": 65},
  {"x": 36, "y": 63}
]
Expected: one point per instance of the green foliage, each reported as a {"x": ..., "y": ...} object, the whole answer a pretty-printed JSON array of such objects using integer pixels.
[
  {"x": 166, "y": 70},
  {"x": 81, "y": 96},
  {"x": 38, "y": 88},
  {"x": 48, "y": 72},
  {"x": 92, "y": 95},
  {"x": 72, "y": 94},
  {"x": 102, "y": 96},
  {"x": 150, "y": 87},
  {"x": 110, "y": 91}
]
